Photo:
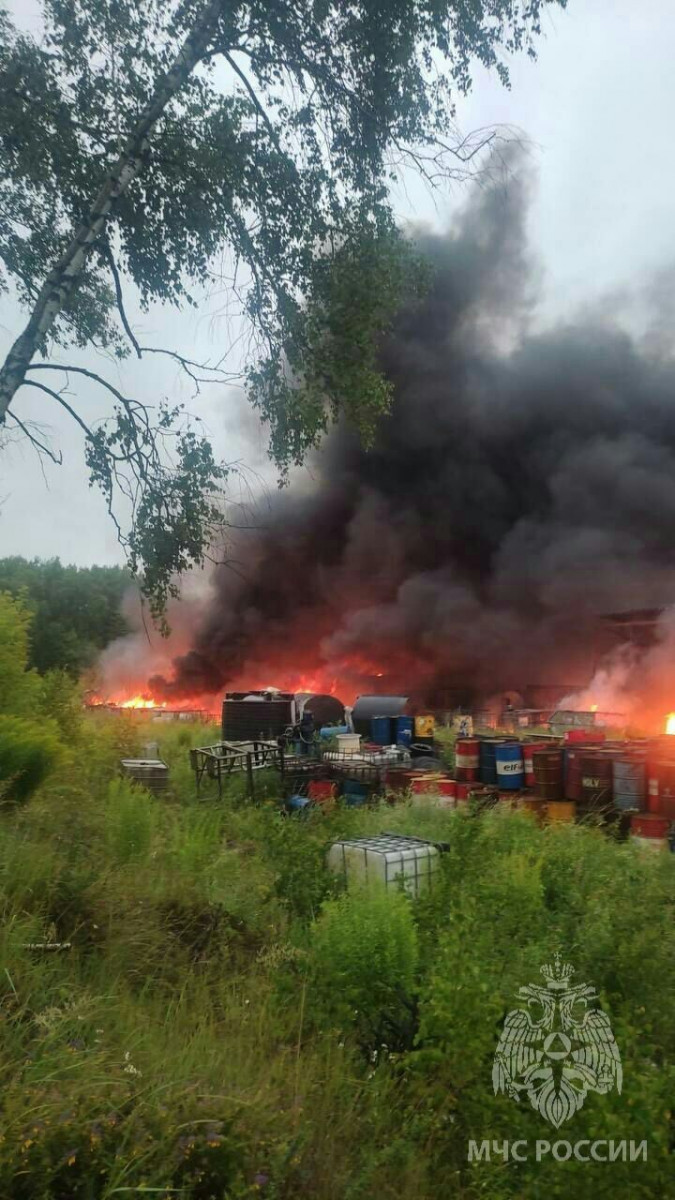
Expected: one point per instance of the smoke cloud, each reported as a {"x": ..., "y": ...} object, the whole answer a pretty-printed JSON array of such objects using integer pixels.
[{"x": 523, "y": 484}]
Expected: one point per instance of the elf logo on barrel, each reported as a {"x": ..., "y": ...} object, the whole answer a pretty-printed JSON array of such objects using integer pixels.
[{"x": 558, "y": 1049}]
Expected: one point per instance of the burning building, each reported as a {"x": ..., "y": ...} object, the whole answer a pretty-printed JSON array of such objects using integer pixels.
[{"x": 523, "y": 484}]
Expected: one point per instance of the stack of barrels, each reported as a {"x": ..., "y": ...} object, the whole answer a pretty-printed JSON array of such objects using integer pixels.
[{"x": 630, "y": 782}]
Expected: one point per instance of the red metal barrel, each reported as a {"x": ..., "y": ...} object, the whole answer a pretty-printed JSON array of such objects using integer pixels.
[
  {"x": 661, "y": 789},
  {"x": 548, "y": 774},
  {"x": 529, "y": 749},
  {"x": 467, "y": 758},
  {"x": 649, "y": 825},
  {"x": 573, "y": 757},
  {"x": 447, "y": 787},
  {"x": 462, "y": 790}
]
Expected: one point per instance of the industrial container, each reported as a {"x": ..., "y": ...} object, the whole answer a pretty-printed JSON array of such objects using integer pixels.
[
  {"x": 354, "y": 792},
  {"x": 467, "y": 758},
  {"x": 509, "y": 765},
  {"x": 561, "y": 810},
  {"x": 629, "y": 783},
  {"x": 661, "y": 789},
  {"x": 650, "y": 831},
  {"x": 403, "y": 729},
  {"x": 348, "y": 743},
  {"x": 425, "y": 783},
  {"x": 548, "y": 774},
  {"x": 380, "y": 731},
  {"x": 596, "y": 782},
  {"x": 482, "y": 797},
  {"x": 487, "y": 761},
  {"x": 367, "y": 707},
  {"x": 572, "y": 756},
  {"x": 249, "y": 716},
  {"x": 425, "y": 727},
  {"x": 326, "y": 710},
  {"x": 529, "y": 749},
  {"x": 387, "y": 858},
  {"x": 152, "y": 773},
  {"x": 322, "y": 791}
]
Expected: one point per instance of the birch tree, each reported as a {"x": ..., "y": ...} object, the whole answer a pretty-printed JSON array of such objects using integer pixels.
[{"x": 142, "y": 140}]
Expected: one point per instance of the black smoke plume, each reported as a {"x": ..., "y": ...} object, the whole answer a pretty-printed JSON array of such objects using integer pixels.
[{"x": 523, "y": 484}]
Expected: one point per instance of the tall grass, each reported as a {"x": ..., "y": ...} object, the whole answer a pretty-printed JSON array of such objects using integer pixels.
[{"x": 224, "y": 1022}]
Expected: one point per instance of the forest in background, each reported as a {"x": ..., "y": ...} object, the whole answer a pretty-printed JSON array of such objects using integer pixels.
[{"x": 75, "y": 611}]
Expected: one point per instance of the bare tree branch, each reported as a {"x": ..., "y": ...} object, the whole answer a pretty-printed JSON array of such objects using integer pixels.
[{"x": 110, "y": 259}]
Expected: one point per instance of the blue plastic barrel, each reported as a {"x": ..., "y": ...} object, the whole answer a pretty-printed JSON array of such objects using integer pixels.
[
  {"x": 509, "y": 766},
  {"x": 404, "y": 729},
  {"x": 380, "y": 731}
]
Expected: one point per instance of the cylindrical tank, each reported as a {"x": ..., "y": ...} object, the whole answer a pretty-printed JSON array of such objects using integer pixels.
[
  {"x": 403, "y": 727},
  {"x": 548, "y": 774},
  {"x": 326, "y": 710},
  {"x": 380, "y": 731},
  {"x": 467, "y": 758},
  {"x": 487, "y": 760},
  {"x": 629, "y": 775},
  {"x": 596, "y": 782},
  {"x": 509, "y": 766},
  {"x": 572, "y": 767},
  {"x": 650, "y": 830},
  {"x": 661, "y": 794},
  {"x": 530, "y": 748}
]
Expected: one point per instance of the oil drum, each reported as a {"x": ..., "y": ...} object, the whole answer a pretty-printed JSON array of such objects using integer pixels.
[
  {"x": 573, "y": 757},
  {"x": 629, "y": 783},
  {"x": 596, "y": 782},
  {"x": 561, "y": 810},
  {"x": 661, "y": 793},
  {"x": 548, "y": 774},
  {"x": 467, "y": 758},
  {"x": 529, "y": 749},
  {"x": 509, "y": 766}
]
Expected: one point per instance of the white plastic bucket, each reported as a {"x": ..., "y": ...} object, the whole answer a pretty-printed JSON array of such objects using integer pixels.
[{"x": 349, "y": 743}]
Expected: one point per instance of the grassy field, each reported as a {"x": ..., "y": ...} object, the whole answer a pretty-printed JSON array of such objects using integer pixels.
[{"x": 226, "y": 1024}]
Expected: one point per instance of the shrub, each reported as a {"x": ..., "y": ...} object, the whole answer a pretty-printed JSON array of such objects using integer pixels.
[
  {"x": 28, "y": 753},
  {"x": 131, "y": 815},
  {"x": 365, "y": 958}
]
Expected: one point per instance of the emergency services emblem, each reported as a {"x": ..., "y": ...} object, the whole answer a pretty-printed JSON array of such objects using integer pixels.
[{"x": 558, "y": 1048}]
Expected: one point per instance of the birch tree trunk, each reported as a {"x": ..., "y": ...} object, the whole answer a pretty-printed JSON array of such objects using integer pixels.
[{"x": 63, "y": 277}]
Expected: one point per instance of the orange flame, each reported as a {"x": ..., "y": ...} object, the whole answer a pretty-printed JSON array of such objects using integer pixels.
[
  {"x": 139, "y": 702},
  {"x": 670, "y": 723},
  {"x": 594, "y": 708}
]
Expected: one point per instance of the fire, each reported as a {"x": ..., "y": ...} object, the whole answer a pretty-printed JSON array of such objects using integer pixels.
[
  {"x": 670, "y": 723},
  {"x": 593, "y": 708},
  {"x": 139, "y": 702}
]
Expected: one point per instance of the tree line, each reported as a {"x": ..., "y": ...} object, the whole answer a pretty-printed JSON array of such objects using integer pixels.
[{"x": 74, "y": 611}]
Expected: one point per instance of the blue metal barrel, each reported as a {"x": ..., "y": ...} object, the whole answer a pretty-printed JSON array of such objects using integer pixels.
[
  {"x": 404, "y": 729},
  {"x": 380, "y": 730},
  {"x": 509, "y": 766},
  {"x": 487, "y": 763},
  {"x": 630, "y": 788}
]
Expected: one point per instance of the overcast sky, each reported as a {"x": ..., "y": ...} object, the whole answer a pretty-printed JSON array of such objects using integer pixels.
[{"x": 596, "y": 107}]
